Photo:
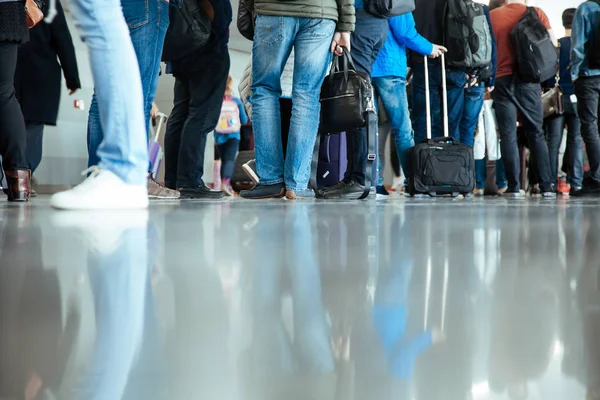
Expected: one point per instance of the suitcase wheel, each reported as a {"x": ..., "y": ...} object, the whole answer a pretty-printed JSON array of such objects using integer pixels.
[{"x": 432, "y": 194}]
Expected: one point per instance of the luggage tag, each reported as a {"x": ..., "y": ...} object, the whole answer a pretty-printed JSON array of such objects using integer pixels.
[{"x": 573, "y": 99}]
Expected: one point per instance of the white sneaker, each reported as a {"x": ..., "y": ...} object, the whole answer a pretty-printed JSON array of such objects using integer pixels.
[
  {"x": 102, "y": 190},
  {"x": 397, "y": 183}
]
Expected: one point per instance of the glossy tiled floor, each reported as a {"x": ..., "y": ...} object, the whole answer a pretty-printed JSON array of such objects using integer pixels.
[{"x": 398, "y": 300}]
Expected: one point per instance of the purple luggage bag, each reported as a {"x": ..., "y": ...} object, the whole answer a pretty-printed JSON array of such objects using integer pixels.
[
  {"x": 332, "y": 160},
  {"x": 155, "y": 151}
]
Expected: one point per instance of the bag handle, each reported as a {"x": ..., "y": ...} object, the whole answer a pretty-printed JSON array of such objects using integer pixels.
[{"x": 444, "y": 97}]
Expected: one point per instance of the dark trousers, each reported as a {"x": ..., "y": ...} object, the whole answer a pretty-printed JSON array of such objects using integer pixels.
[
  {"x": 35, "y": 140},
  {"x": 228, "y": 153},
  {"x": 554, "y": 128},
  {"x": 587, "y": 90},
  {"x": 196, "y": 108},
  {"x": 508, "y": 92},
  {"x": 367, "y": 40},
  {"x": 12, "y": 125}
]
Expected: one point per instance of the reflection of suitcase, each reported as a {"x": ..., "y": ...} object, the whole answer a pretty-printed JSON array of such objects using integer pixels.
[
  {"x": 332, "y": 160},
  {"x": 441, "y": 166}
]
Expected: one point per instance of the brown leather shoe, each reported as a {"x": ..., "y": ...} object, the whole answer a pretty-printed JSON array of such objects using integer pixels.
[{"x": 19, "y": 185}]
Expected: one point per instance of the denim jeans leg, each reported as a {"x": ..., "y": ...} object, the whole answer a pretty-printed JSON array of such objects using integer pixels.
[
  {"x": 506, "y": 115},
  {"x": 587, "y": 91},
  {"x": 273, "y": 43},
  {"x": 553, "y": 128},
  {"x": 124, "y": 149},
  {"x": 575, "y": 149},
  {"x": 480, "y": 173},
  {"x": 311, "y": 60},
  {"x": 392, "y": 91},
  {"x": 501, "y": 181},
  {"x": 456, "y": 82},
  {"x": 473, "y": 103},
  {"x": 529, "y": 94},
  {"x": 148, "y": 25}
]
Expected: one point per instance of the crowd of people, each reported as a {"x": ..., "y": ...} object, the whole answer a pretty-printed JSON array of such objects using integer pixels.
[{"x": 127, "y": 40}]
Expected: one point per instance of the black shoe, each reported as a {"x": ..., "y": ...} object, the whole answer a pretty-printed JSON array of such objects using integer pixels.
[
  {"x": 549, "y": 192},
  {"x": 261, "y": 191},
  {"x": 575, "y": 191},
  {"x": 381, "y": 190},
  {"x": 343, "y": 190},
  {"x": 201, "y": 192},
  {"x": 590, "y": 188}
]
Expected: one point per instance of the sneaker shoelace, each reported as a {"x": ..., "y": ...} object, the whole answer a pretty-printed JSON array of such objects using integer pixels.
[{"x": 92, "y": 173}]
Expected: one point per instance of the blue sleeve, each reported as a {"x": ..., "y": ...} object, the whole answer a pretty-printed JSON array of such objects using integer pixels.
[
  {"x": 243, "y": 115},
  {"x": 404, "y": 30},
  {"x": 579, "y": 38},
  {"x": 492, "y": 81}
]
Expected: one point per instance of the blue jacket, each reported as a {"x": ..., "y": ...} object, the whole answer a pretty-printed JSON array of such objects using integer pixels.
[
  {"x": 391, "y": 60},
  {"x": 585, "y": 24}
]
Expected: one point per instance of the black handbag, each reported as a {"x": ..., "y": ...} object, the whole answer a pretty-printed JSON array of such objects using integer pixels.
[
  {"x": 389, "y": 8},
  {"x": 246, "y": 18},
  {"x": 347, "y": 103},
  {"x": 345, "y": 96}
]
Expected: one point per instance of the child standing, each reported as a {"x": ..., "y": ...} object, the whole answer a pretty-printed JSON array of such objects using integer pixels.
[{"x": 227, "y": 134}]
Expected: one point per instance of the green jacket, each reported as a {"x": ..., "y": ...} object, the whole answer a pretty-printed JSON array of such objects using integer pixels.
[{"x": 341, "y": 11}]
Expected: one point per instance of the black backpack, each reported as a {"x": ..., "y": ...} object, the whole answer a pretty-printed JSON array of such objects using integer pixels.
[
  {"x": 537, "y": 58},
  {"x": 189, "y": 30},
  {"x": 593, "y": 48},
  {"x": 389, "y": 8},
  {"x": 467, "y": 36}
]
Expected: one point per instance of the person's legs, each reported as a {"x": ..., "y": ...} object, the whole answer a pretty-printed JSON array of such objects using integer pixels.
[
  {"x": 12, "y": 125},
  {"x": 147, "y": 23},
  {"x": 12, "y": 128},
  {"x": 35, "y": 140},
  {"x": 501, "y": 181},
  {"x": 179, "y": 114},
  {"x": 574, "y": 149},
  {"x": 587, "y": 91},
  {"x": 456, "y": 82},
  {"x": 473, "y": 103},
  {"x": 384, "y": 132},
  {"x": 506, "y": 115},
  {"x": 554, "y": 128},
  {"x": 366, "y": 42},
  {"x": 392, "y": 91},
  {"x": 228, "y": 152},
  {"x": 480, "y": 173},
  {"x": 123, "y": 153},
  {"x": 207, "y": 88},
  {"x": 311, "y": 59},
  {"x": 273, "y": 42},
  {"x": 530, "y": 97}
]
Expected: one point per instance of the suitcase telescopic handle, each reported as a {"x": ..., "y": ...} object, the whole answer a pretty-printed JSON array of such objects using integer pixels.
[
  {"x": 162, "y": 118},
  {"x": 444, "y": 97}
]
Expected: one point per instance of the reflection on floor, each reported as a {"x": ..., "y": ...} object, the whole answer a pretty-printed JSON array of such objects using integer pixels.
[{"x": 398, "y": 300}]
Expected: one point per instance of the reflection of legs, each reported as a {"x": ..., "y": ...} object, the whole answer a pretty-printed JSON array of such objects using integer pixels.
[
  {"x": 271, "y": 349},
  {"x": 311, "y": 331},
  {"x": 119, "y": 281}
]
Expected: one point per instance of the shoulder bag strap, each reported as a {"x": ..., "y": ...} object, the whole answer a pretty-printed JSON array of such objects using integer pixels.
[{"x": 372, "y": 145}]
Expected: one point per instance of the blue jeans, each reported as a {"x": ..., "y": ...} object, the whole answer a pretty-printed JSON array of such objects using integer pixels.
[
  {"x": 481, "y": 174},
  {"x": 473, "y": 103},
  {"x": 392, "y": 92},
  {"x": 455, "y": 83},
  {"x": 554, "y": 128},
  {"x": 147, "y": 22},
  {"x": 120, "y": 282},
  {"x": 274, "y": 39}
]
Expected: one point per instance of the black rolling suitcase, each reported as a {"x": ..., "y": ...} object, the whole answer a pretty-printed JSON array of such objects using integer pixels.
[{"x": 441, "y": 166}]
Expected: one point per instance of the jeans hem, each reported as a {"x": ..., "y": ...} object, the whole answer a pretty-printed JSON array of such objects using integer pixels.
[
  {"x": 297, "y": 188},
  {"x": 274, "y": 182}
]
